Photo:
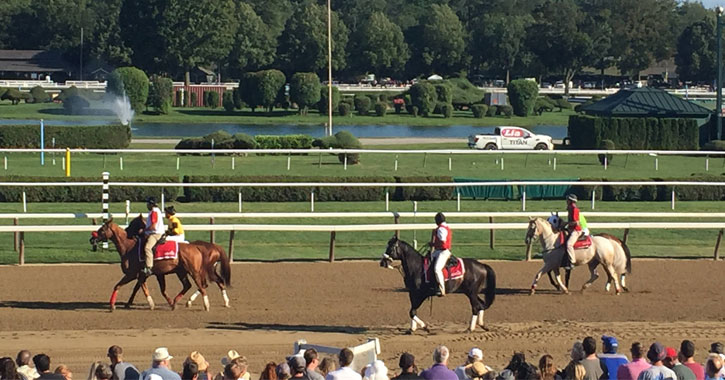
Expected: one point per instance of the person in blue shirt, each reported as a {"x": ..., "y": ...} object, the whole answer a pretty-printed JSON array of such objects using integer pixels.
[{"x": 610, "y": 357}]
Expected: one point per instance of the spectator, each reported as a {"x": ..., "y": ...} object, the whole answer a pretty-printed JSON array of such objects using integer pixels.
[
  {"x": 658, "y": 371},
  {"x": 312, "y": 361},
  {"x": 8, "y": 369},
  {"x": 547, "y": 368},
  {"x": 201, "y": 364},
  {"x": 631, "y": 371},
  {"x": 232, "y": 371},
  {"x": 269, "y": 372},
  {"x": 283, "y": 371},
  {"x": 327, "y": 365},
  {"x": 243, "y": 365},
  {"x": 520, "y": 368},
  {"x": 345, "y": 372},
  {"x": 713, "y": 367},
  {"x": 407, "y": 368},
  {"x": 717, "y": 348},
  {"x": 671, "y": 362},
  {"x": 103, "y": 372},
  {"x": 595, "y": 369},
  {"x": 231, "y": 356},
  {"x": 64, "y": 371},
  {"x": 475, "y": 355},
  {"x": 42, "y": 365},
  {"x": 121, "y": 370},
  {"x": 376, "y": 371},
  {"x": 610, "y": 358},
  {"x": 439, "y": 370},
  {"x": 24, "y": 368},
  {"x": 575, "y": 371},
  {"x": 191, "y": 370},
  {"x": 161, "y": 360},
  {"x": 506, "y": 374},
  {"x": 479, "y": 371},
  {"x": 297, "y": 366},
  {"x": 687, "y": 352},
  {"x": 91, "y": 371}
]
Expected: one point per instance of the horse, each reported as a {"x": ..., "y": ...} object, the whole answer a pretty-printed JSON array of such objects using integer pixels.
[
  {"x": 189, "y": 262},
  {"x": 607, "y": 250},
  {"x": 211, "y": 254},
  {"x": 478, "y": 277}
]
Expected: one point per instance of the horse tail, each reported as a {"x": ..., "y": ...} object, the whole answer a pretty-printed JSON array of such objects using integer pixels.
[
  {"x": 226, "y": 268},
  {"x": 490, "y": 291},
  {"x": 629, "y": 256}
]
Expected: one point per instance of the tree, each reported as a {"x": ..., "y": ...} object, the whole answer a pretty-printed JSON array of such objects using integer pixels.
[
  {"x": 274, "y": 13},
  {"x": 303, "y": 44},
  {"x": 696, "y": 52},
  {"x": 254, "y": 45},
  {"x": 498, "y": 40},
  {"x": 380, "y": 46},
  {"x": 305, "y": 90},
  {"x": 132, "y": 82},
  {"x": 196, "y": 32},
  {"x": 160, "y": 92},
  {"x": 139, "y": 21},
  {"x": 269, "y": 83},
  {"x": 523, "y": 94},
  {"x": 558, "y": 40},
  {"x": 598, "y": 26},
  {"x": 438, "y": 43},
  {"x": 423, "y": 96}
]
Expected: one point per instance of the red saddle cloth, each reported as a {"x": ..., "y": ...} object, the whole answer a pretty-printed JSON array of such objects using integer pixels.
[
  {"x": 452, "y": 271},
  {"x": 165, "y": 251},
  {"x": 585, "y": 241}
]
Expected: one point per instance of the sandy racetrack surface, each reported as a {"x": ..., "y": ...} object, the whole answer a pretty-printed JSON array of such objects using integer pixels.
[{"x": 62, "y": 310}]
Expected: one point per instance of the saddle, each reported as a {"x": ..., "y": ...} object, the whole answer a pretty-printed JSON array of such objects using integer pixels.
[
  {"x": 584, "y": 241},
  {"x": 166, "y": 250},
  {"x": 453, "y": 270}
]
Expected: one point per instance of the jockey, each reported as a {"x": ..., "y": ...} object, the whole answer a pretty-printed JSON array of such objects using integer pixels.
[
  {"x": 175, "y": 231},
  {"x": 575, "y": 230},
  {"x": 153, "y": 231},
  {"x": 441, "y": 243}
]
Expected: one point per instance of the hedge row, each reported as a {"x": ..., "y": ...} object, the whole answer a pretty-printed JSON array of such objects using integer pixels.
[
  {"x": 300, "y": 194},
  {"x": 655, "y": 193},
  {"x": 85, "y": 193},
  {"x": 101, "y": 136},
  {"x": 587, "y": 132}
]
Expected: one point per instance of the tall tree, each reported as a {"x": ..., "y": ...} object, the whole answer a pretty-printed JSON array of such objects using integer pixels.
[
  {"x": 355, "y": 12},
  {"x": 380, "y": 46},
  {"x": 303, "y": 44},
  {"x": 497, "y": 41},
  {"x": 597, "y": 24},
  {"x": 557, "y": 38},
  {"x": 140, "y": 21},
  {"x": 104, "y": 34},
  {"x": 254, "y": 46},
  {"x": 696, "y": 52},
  {"x": 274, "y": 13},
  {"x": 438, "y": 43},
  {"x": 197, "y": 32}
]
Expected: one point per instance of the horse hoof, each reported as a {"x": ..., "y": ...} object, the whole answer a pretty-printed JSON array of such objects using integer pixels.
[
  {"x": 426, "y": 329},
  {"x": 532, "y": 291},
  {"x": 126, "y": 306},
  {"x": 626, "y": 289},
  {"x": 112, "y": 308},
  {"x": 409, "y": 332}
]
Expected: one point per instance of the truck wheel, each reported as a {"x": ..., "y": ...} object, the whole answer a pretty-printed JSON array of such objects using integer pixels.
[
  {"x": 490, "y": 146},
  {"x": 541, "y": 146}
]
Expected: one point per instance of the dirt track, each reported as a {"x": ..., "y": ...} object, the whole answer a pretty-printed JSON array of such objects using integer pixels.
[{"x": 62, "y": 310}]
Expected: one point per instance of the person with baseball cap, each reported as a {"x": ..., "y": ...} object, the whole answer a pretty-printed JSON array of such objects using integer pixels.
[
  {"x": 408, "y": 368},
  {"x": 610, "y": 358},
  {"x": 657, "y": 355},
  {"x": 672, "y": 362},
  {"x": 161, "y": 361},
  {"x": 475, "y": 355}
]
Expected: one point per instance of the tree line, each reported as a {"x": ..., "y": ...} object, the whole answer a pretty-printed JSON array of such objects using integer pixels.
[{"x": 396, "y": 38}]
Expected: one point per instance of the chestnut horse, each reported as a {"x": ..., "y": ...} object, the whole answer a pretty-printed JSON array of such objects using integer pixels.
[{"x": 189, "y": 262}]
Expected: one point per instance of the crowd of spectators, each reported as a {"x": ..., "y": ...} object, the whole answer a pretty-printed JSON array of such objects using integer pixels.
[{"x": 585, "y": 363}]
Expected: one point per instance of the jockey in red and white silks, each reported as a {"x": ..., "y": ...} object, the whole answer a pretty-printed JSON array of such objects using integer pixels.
[
  {"x": 154, "y": 230},
  {"x": 575, "y": 230},
  {"x": 441, "y": 243}
]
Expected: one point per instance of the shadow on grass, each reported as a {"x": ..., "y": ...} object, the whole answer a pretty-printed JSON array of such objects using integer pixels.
[
  {"x": 210, "y": 112},
  {"x": 45, "y": 305},
  {"x": 242, "y": 326}
]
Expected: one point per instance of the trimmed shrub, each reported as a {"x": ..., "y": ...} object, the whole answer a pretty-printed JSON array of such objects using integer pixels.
[
  {"x": 75, "y": 105},
  {"x": 305, "y": 90},
  {"x": 415, "y": 111},
  {"x": 3, "y": 90},
  {"x": 423, "y": 193},
  {"x": 505, "y": 110},
  {"x": 587, "y": 132},
  {"x": 324, "y": 99},
  {"x": 522, "y": 94},
  {"x": 228, "y": 101},
  {"x": 205, "y": 98},
  {"x": 408, "y": 103},
  {"x": 654, "y": 193},
  {"x": 213, "y": 100},
  {"x": 15, "y": 96},
  {"x": 58, "y": 194},
  {"x": 237, "y": 97},
  {"x": 179, "y": 97},
  {"x": 479, "y": 110},
  {"x": 284, "y": 141},
  {"x": 346, "y": 140},
  {"x": 606, "y": 145},
  {"x": 423, "y": 95},
  {"x": 244, "y": 141},
  {"x": 444, "y": 92},
  {"x": 491, "y": 111},
  {"x": 344, "y": 109},
  {"x": 464, "y": 92},
  {"x": 447, "y": 110},
  {"x": 193, "y": 98},
  {"x": 268, "y": 85},
  {"x": 563, "y": 104},
  {"x": 101, "y": 137},
  {"x": 160, "y": 91},
  {"x": 362, "y": 104},
  {"x": 542, "y": 105},
  {"x": 383, "y": 98},
  {"x": 132, "y": 82},
  {"x": 381, "y": 108},
  {"x": 39, "y": 95}
]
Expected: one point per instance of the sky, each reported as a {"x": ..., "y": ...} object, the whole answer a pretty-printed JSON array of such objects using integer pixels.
[{"x": 712, "y": 3}]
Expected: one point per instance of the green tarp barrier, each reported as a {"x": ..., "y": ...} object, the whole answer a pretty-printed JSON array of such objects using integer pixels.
[
  {"x": 545, "y": 191},
  {"x": 510, "y": 192}
]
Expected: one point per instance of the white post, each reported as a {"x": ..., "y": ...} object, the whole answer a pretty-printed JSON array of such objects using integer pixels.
[
  {"x": 162, "y": 200},
  {"x": 415, "y": 214},
  {"x": 554, "y": 163},
  {"x": 594, "y": 197},
  {"x": 25, "y": 203},
  {"x": 289, "y": 161},
  {"x": 707, "y": 164},
  {"x": 240, "y": 201},
  {"x": 523, "y": 200},
  {"x": 345, "y": 161},
  {"x": 120, "y": 162},
  {"x": 128, "y": 209},
  {"x": 387, "y": 200},
  {"x": 177, "y": 162},
  {"x": 233, "y": 162},
  {"x": 605, "y": 162},
  {"x": 396, "y": 162},
  {"x": 6, "y": 163},
  {"x": 501, "y": 163},
  {"x": 657, "y": 164},
  {"x": 450, "y": 164},
  {"x": 312, "y": 201},
  {"x": 458, "y": 201},
  {"x": 673, "y": 198}
]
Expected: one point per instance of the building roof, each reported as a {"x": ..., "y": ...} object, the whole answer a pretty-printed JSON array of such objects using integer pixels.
[
  {"x": 645, "y": 102},
  {"x": 35, "y": 61}
]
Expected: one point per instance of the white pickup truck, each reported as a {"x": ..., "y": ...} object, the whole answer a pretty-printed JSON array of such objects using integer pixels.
[{"x": 510, "y": 138}]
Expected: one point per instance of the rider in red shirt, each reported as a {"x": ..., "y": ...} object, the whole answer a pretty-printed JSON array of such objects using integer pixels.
[
  {"x": 575, "y": 231},
  {"x": 441, "y": 242}
]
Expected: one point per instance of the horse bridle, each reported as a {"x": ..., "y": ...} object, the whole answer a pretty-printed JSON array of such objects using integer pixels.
[
  {"x": 531, "y": 235},
  {"x": 387, "y": 259}
]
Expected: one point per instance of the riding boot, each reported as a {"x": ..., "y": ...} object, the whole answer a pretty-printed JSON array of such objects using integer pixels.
[{"x": 565, "y": 262}]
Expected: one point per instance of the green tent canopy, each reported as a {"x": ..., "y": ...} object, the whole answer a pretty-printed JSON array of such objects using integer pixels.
[{"x": 646, "y": 102}]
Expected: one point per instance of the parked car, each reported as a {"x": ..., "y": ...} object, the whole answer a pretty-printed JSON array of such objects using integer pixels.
[{"x": 510, "y": 138}]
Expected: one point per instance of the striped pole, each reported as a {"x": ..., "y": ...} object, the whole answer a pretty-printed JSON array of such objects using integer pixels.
[{"x": 104, "y": 201}]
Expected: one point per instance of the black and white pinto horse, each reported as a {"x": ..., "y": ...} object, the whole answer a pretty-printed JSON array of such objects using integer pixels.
[{"x": 478, "y": 278}]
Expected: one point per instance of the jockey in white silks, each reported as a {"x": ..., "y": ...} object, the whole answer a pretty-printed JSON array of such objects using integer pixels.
[{"x": 441, "y": 243}]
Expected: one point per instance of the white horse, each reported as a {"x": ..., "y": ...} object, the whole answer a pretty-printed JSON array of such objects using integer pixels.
[{"x": 606, "y": 250}]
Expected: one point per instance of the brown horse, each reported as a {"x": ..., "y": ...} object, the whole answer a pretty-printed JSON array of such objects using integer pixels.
[
  {"x": 211, "y": 254},
  {"x": 189, "y": 262}
]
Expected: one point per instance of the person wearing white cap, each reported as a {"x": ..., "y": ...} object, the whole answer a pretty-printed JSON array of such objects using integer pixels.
[
  {"x": 475, "y": 355},
  {"x": 160, "y": 366}
]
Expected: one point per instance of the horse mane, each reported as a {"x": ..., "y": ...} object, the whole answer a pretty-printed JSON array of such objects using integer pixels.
[{"x": 409, "y": 247}]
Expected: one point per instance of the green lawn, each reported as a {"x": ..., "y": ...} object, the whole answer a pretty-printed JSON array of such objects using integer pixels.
[
  {"x": 73, "y": 247},
  {"x": 52, "y": 111}
]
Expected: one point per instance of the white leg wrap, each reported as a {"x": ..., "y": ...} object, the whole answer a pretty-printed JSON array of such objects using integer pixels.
[
  {"x": 417, "y": 320},
  {"x": 226, "y": 298},
  {"x": 624, "y": 285},
  {"x": 413, "y": 325},
  {"x": 474, "y": 318},
  {"x": 206, "y": 303},
  {"x": 480, "y": 318},
  {"x": 151, "y": 302},
  {"x": 608, "y": 286},
  {"x": 193, "y": 296}
]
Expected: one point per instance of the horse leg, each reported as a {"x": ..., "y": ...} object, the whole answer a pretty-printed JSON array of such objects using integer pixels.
[
  {"x": 536, "y": 279},
  {"x": 162, "y": 285},
  {"x": 623, "y": 278},
  {"x": 564, "y": 289},
  {"x": 186, "y": 285},
  {"x": 613, "y": 274},
  {"x": 593, "y": 274},
  {"x": 196, "y": 276},
  {"x": 477, "y": 309},
  {"x": 192, "y": 298},
  {"x": 123, "y": 281},
  {"x": 145, "y": 289},
  {"x": 552, "y": 281},
  {"x": 415, "y": 302},
  {"x": 133, "y": 294}
]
